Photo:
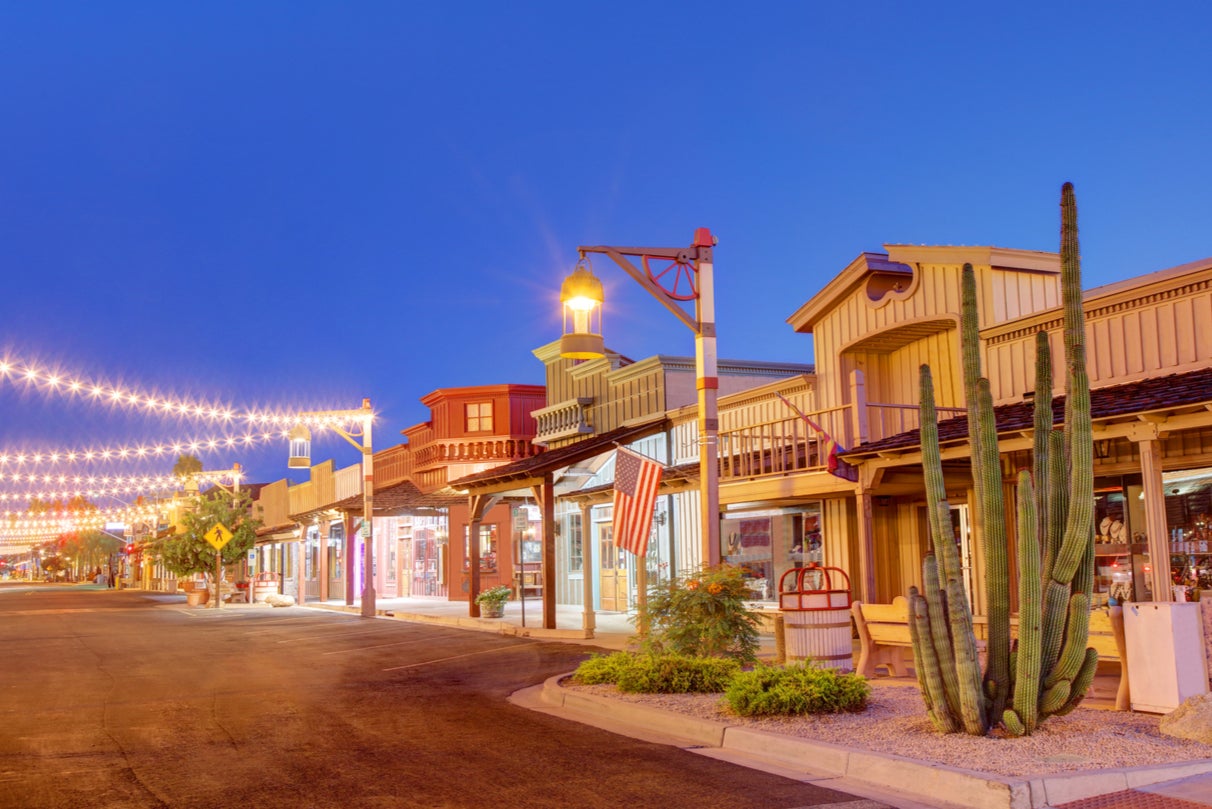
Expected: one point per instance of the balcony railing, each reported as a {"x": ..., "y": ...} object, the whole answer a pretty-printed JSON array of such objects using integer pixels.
[
  {"x": 782, "y": 446},
  {"x": 468, "y": 450},
  {"x": 791, "y": 444},
  {"x": 564, "y": 420}
]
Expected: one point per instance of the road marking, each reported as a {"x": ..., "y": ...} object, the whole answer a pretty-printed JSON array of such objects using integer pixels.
[
  {"x": 327, "y": 635},
  {"x": 384, "y": 645},
  {"x": 456, "y": 657}
]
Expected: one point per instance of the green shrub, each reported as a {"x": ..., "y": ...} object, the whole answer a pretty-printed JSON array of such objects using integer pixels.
[
  {"x": 646, "y": 673},
  {"x": 702, "y": 614},
  {"x": 796, "y": 689},
  {"x": 601, "y": 669}
]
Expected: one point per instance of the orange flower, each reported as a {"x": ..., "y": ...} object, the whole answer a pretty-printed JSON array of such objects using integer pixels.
[
  {"x": 715, "y": 588},
  {"x": 693, "y": 584}
]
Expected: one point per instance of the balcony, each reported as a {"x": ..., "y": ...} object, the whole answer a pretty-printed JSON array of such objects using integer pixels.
[
  {"x": 473, "y": 450},
  {"x": 794, "y": 445},
  {"x": 782, "y": 446},
  {"x": 564, "y": 420}
]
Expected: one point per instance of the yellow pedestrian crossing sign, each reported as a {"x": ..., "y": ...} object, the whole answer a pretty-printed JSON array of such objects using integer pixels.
[{"x": 218, "y": 536}]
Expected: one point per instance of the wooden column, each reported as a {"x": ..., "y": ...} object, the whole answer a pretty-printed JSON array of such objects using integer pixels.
[
  {"x": 1156, "y": 529},
  {"x": 478, "y": 506},
  {"x": 544, "y": 495},
  {"x": 351, "y": 558},
  {"x": 588, "y": 617},
  {"x": 866, "y": 548},
  {"x": 321, "y": 570}
]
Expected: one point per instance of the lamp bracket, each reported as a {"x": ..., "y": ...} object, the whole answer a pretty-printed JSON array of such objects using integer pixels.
[{"x": 685, "y": 258}]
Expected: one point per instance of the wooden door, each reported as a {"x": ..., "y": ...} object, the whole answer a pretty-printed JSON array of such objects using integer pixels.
[{"x": 612, "y": 576}]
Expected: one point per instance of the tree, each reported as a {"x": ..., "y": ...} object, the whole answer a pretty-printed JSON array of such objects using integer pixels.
[{"x": 187, "y": 553}]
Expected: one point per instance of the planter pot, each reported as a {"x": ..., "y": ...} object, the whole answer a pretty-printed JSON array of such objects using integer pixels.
[
  {"x": 492, "y": 610},
  {"x": 196, "y": 598}
]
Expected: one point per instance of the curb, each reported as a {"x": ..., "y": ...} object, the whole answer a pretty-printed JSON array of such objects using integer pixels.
[
  {"x": 467, "y": 622},
  {"x": 920, "y": 780}
]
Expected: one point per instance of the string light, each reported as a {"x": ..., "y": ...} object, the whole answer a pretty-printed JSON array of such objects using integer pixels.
[
  {"x": 192, "y": 446},
  {"x": 51, "y": 382},
  {"x": 64, "y": 520},
  {"x": 61, "y": 479}
]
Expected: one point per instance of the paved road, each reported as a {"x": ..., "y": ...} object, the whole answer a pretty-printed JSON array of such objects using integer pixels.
[{"x": 125, "y": 699}]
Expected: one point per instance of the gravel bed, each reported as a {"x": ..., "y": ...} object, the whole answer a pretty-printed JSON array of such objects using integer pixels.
[{"x": 895, "y": 722}]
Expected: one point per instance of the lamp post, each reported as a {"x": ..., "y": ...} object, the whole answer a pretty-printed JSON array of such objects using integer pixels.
[
  {"x": 300, "y": 457},
  {"x": 674, "y": 276}
]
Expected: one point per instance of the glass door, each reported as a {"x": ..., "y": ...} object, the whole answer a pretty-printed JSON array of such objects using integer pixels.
[{"x": 613, "y": 574}]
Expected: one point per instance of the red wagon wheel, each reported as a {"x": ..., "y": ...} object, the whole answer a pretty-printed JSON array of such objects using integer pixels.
[{"x": 678, "y": 279}]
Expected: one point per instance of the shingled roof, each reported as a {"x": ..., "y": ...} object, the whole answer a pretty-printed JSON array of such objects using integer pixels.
[
  {"x": 1145, "y": 396},
  {"x": 567, "y": 455},
  {"x": 399, "y": 497}
]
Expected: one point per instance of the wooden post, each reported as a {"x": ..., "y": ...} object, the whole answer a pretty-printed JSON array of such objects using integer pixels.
[
  {"x": 544, "y": 494},
  {"x": 588, "y": 617},
  {"x": 858, "y": 400},
  {"x": 1155, "y": 520}
]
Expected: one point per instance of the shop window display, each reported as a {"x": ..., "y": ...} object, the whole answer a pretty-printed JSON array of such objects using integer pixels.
[
  {"x": 1189, "y": 522},
  {"x": 767, "y": 544},
  {"x": 488, "y": 549},
  {"x": 1121, "y": 553}
]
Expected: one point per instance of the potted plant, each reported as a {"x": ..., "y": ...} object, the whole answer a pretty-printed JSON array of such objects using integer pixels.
[{"x": 492, "y": 601}]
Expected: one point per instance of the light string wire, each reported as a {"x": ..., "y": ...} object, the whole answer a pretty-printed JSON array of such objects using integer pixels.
[
  {"x": 50, "y": 382},
  {"x": 149, "y": 451}
]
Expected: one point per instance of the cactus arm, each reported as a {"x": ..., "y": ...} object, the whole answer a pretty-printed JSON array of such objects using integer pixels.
[
  {"x": 973, "y": 711},
  {"x": 930, "y": 666},
  {"x": 1030, "y": 609}
]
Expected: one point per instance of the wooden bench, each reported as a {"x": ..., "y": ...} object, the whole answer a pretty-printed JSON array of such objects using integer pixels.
[
  {"x": 884, "y": 635},
  {"x": 883, "y": 631}
]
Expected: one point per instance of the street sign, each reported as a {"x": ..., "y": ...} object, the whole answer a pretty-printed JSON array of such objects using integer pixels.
[{"x": 218, "y": 536}]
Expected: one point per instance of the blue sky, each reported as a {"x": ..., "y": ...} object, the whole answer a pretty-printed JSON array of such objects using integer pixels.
[{"x": 301, "y": 204}]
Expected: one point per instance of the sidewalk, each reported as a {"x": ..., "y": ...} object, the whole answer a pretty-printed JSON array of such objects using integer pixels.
[{"x": 891, "y": 781}]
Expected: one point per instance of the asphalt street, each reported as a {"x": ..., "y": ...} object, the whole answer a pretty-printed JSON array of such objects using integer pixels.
[{"x": 131, "y": 699}]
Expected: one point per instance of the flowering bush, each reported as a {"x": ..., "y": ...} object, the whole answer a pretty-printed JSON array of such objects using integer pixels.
[{"x": 703, "y": 614}]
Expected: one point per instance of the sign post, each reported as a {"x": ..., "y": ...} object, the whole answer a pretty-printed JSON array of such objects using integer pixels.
[{"x": 218, "y": 536}]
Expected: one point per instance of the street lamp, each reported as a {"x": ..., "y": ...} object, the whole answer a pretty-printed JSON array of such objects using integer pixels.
[
  {"x": 300, "y": 457},
  {"x": 672, "y": 275}
]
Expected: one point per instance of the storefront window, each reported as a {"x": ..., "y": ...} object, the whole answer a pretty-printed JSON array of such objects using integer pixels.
[
  {"x": 768, "y": 543},
  {"x": 576, "y": 542},
  {"x": 488, "y": 549},
  {"x": 1121, "y": 554},
  {"x": 1189, "y": 522}
]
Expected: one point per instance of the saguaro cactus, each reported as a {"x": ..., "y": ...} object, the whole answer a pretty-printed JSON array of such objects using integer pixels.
[{"x": 1051, "y": 669}]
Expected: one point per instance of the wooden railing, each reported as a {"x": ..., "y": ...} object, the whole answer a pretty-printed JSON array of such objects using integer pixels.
[
  {"x": 791, "y": 444},
  {"x": 469, "y": 450},
  {"x": 784, "y": 445},
  {"x": 568, "y": 418}
]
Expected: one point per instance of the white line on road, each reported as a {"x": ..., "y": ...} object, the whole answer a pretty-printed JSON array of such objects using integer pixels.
[
  {"x": 327, "y": 635},
  {"x": 384, "y": 645},
  {"x": 456, "y": 657}
]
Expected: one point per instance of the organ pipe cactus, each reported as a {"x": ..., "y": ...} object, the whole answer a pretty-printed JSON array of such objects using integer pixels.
[{"x": 1050, "y": 670}]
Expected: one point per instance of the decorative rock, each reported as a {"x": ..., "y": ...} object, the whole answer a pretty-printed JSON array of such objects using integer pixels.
[
  {"x": 279, "y": 600},
  {"x": 1191, "y": 720}
]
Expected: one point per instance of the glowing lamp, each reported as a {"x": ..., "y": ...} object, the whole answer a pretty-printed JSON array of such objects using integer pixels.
[
  {"x": 581, "y": 296},
  {"x": 300, "y": 448}
]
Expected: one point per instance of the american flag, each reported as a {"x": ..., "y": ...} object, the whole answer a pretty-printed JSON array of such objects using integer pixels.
[{"x": 636, "y": 479}]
